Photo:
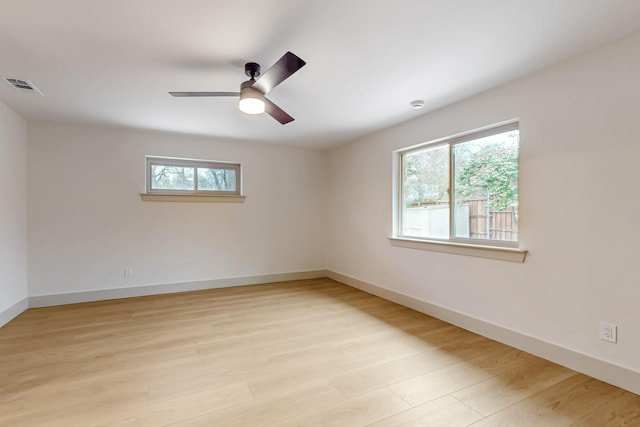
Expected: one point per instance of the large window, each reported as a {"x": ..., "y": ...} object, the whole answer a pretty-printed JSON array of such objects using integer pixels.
[
  {"x": 462, "y": 189},
  {"x": 184, "y": 176}
]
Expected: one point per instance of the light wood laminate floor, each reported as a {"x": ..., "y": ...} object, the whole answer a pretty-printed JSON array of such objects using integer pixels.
[{"x": 303, "y": 353}]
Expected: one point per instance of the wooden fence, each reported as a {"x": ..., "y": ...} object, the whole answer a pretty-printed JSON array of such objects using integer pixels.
[{"x": 491, "y": 224}]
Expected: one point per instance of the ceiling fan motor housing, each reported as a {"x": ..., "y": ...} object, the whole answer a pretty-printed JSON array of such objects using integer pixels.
[{"x": 247, "y": 83}]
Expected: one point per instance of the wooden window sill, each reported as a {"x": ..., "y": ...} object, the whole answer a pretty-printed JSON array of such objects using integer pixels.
[
  {"x": 492, "y": 252},
  {"x": 191, "y": 198}
]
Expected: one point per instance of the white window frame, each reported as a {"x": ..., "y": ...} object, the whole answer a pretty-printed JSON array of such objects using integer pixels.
[
  {"x": 195, "y": 194},
  {"x": 495, "y": 249}
]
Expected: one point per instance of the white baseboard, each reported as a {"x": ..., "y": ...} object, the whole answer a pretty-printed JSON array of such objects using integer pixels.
[
  {"x": 138, "y": 291},
  {"x": 12, "y": 312},
  {"x": 619, "y": 376}
]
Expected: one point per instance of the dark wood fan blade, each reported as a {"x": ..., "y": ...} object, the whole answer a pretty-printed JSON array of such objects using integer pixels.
[
  {"x": 189, "y": 94},
  {"x": 279, "y": 72},
  {"x": 276, "y": 112}
]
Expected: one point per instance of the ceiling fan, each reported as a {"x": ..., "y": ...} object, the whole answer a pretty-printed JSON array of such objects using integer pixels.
[{"x": 252, "y": 92}]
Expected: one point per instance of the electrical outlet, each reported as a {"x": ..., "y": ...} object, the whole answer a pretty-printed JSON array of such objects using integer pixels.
[
  {"x": 274, "y": 262},
  {"x": 128, "y": 272},
  {"x": 608, "y": 332}
]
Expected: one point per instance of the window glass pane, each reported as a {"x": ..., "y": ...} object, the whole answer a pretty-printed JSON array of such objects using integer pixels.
[
  {"x": 166, "y": 177},
  {"x": 425, "y": 193},
  {"x": 486, "y": 187},
  {"x": 216, "y": 179}
]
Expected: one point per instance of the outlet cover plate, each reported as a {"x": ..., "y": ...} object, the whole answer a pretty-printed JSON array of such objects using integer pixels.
[{"x": 608, "y": 332}]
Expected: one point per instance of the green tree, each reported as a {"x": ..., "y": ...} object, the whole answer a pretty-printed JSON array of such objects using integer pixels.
[
  {"x": 491, "y": 171},
  {"x": 426, "y": 175}
]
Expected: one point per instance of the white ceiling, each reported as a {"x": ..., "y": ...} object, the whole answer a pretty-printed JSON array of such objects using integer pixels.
[{"x": 113, "y": 61}]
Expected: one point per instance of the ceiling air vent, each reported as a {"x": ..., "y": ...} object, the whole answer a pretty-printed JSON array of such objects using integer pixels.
[{"x": 23, "y": 86}]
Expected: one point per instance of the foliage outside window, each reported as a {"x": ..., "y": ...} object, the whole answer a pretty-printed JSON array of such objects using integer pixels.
[
  {"x": 477, "y": 174},
  {"x": 184, "y": 176}
]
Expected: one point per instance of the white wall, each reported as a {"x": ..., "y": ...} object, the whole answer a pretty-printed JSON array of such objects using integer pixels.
[
  {"x": 87, "y": 221},
  {"x": 13, "y": 213},
  {"x": 580, "y": 208}
]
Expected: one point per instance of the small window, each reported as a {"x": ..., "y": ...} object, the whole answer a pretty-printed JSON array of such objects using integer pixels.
[
  {"x": 476, "y": 174},
  {"x": 183, "y": 176}
]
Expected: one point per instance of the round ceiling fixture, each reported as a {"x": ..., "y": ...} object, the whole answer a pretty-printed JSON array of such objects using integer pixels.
[{"x": 417, "y": 104}]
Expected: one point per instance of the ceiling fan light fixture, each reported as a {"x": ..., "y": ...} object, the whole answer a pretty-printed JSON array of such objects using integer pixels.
[
  {"x": 251, "y": 101},
  {"x": 252, "y": 92}
]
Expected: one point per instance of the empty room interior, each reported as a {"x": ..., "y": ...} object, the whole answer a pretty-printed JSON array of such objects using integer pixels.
[{"x": 298, "y": 213}]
